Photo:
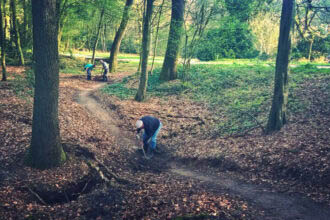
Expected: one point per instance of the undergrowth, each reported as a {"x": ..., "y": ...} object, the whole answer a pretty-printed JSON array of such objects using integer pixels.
[{"x": 239, "y": 95}]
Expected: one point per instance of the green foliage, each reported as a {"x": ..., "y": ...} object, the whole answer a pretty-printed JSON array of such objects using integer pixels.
[
  {"x": 24, "y": 84},
  {"x": 241, "y": 9},
  {"x": 71, "y": 65},
  {"x": 128, "y": 45},
  {"x": 320, "y": 47},
  {"x": 119, "y": 90},
  {"x": 240, "y": 95},
  {"x": 232, "y": 39}
]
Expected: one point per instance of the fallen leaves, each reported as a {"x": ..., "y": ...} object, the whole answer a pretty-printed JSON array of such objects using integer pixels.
[{"x": 283, "y": 160}]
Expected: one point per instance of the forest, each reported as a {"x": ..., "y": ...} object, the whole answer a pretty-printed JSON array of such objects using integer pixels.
[{"x": 232, "y": 98}]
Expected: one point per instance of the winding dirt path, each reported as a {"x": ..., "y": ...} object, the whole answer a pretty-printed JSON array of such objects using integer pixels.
[{"x": 276, "y": 205}]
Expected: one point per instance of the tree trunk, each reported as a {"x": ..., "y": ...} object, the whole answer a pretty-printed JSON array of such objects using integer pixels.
[
  {"x": 45, "y": 150},
  {"x": 277, "y": 115},
  {"x": 25, "y": 24},
  {"x": 310, "y": 49},
  {"x": 62, "y": 14},
  {"x": 140, "y": 95},
  {"x": 104, "y": 29},
  {"x": 97, "y": 35},
  {"x": 119, "y": 36},
  {"x": 16, "y": 32},
  {"x": 169, "y": 69},
  {"x": 3, "y": 42},
  {"x": 156, "y": 37}
]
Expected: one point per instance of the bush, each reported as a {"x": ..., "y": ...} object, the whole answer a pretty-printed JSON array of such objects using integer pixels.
[
  {"x": 321, "y": 46},
  {"x": 233, "y": 39},
  {"x": 264, "y": 56}
]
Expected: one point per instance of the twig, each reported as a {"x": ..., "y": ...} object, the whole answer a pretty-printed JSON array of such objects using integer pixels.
[
  {"x": 83, "y": 189},
  {"x": 107, "y": 169},
  {"x": 182, "y": 116},
  {"x": 99, "y": 171},
  {"x": 66, "y": 197},
  {"x": 258, "y": 123},
  {"x": 36, "y": 195}
]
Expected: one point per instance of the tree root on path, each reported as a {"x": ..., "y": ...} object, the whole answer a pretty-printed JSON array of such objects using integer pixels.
[{"x": 106, "y": 176}]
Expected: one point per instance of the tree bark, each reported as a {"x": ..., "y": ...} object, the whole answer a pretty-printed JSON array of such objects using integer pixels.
[
  {"x": 141, "y": 93},
  {"x": 62, "y": 14},
  {"x": 311, "y": 41},
  {"x": 119, "y": 36},
  {"x": 277, "y": 115},
  {"x": 16, "y": 32},
  {"x": 156, "y": 37},
  {"x": 97, "y": 35},
  {"x": 3, "y": 42},
  {"x": 45, "y": 150},
  {"x": 169, "y": 69},
  {"x": 25, "y": 24}
]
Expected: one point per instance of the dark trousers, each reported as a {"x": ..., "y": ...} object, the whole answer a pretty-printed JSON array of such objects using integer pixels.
[
  {"x": 89, "y": 74},
  {"x": 105, "y": 78}
]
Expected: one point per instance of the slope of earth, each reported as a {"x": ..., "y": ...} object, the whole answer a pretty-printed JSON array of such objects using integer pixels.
[
  {"x": 294, "y": 160},
  {"x": 106, "y": 176}
]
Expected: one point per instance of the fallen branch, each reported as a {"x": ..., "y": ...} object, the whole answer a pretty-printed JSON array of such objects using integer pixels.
[
  {"x": 83, "y": 189},
  {"x": 257, "y": 122},
  {"x": 66, "y": 197},
  {"x": 107, "y": 169},
  {"x": 241, "y": 134},
  {"x": 182, "y": 116},
  {"x": 99, "y": 172},
  {"x": 36, "y": 195}
]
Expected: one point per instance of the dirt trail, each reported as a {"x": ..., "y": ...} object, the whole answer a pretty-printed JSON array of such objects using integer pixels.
[
  {"x": 276, "y": 205},
  {"x": 106, "y": 118}
]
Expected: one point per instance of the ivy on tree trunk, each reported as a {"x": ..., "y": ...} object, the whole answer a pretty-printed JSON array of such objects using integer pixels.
[
  {"x": 3, "y": 42},
  {"x": 169, "y": 69}
]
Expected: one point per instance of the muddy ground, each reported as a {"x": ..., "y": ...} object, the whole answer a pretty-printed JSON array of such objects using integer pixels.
[{"x": 195, "y": 175}]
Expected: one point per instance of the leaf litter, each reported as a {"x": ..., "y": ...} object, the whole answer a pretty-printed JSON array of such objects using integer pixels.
[{"x": 294, "y": 160}]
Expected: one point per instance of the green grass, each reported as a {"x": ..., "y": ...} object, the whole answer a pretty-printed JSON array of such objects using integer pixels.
[
  {"x": 239, "y": 95},
  {"x": 119, "y": 90}
]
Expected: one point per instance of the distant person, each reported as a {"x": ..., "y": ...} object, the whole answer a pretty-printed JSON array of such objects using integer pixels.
[
  {"x": 151, "y": 126},
  {"x": 106, "y": 70},
  {"x": 89, "y": 67}
]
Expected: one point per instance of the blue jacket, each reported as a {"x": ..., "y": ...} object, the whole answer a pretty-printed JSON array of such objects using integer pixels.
[
  {"x": 150, "y": 124},
  {"x": 89, "y": 66}
]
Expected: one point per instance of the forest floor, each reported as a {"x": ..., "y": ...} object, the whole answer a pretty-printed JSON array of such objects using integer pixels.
[{"x": 195, "y": 175}]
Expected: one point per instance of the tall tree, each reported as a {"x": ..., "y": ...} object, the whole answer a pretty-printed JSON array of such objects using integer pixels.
[
  {"x": 309, "y": 23},
  {"x": 156, "y": 37},
  {"x": 25, "y": 23},
  {"x": 16, "y": 32},
  {"x": 277, "y": 115},
  {"x": 3, "y": 41},
  {"x": 141, "y": 93},
  {"x": 119, "y": 36},
  {"x": 98, "y": 33},
  {"x": 169, "y": 69},
  {"x": 45, "y": 150}
]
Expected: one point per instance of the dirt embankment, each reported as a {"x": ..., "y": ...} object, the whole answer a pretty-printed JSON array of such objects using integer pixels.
[{"x": 97, "y": 133}]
